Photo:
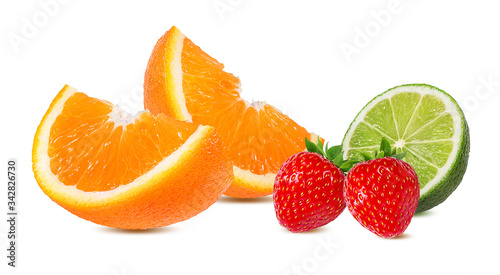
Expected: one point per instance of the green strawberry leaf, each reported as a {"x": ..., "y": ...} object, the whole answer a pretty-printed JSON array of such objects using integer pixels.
[
  {"x": 333, "y": 154},
  {"x": 366, "y": 156},
  {"x": 338, "y": 160},
  {"x": 333, "y": 151},
  {"x": 320, "y": 144},
  {"x": 311, "y": 147},
  {"x": 385, "y": 146},
  {"x": 380, "y": 154},
  {"x": 347, "y": 165},
  {"x": 319, "y": 147},
  {"x": 400, "y": 156}
]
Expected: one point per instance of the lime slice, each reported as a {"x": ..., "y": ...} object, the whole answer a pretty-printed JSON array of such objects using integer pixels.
[{"x": 425, "y": 122}]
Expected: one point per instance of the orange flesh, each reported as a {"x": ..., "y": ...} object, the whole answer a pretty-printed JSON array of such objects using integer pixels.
[
  {"x": 258, "y": 138},
  {"x": 90, "y": 152}
]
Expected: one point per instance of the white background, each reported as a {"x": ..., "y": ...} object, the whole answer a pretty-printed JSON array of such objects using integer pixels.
[{"x": 285, "y": 52}]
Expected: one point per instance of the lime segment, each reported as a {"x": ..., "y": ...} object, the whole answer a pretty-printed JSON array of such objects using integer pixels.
[
  {"x": 381, "y": 118},
  {"x": 429, "y": 109},
  {"x": 404, "y": 106},
  {"x": 367, "y": 136},
  {"x": 435, "y": 152}
]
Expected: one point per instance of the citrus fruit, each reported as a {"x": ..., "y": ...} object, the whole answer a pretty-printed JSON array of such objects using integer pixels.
[
  {"x": 183, "y": 81},
  {"x": 123, "y": 171},
  {"x": 425, "y": 122}
]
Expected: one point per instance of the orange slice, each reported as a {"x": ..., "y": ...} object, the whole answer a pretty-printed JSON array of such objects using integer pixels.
[
  {"x": 184, "y": 82},
  {"x": 124, "y": 171}
]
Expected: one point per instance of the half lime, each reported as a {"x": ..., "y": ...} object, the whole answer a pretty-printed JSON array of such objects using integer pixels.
[{"x": 428, "y": 124}]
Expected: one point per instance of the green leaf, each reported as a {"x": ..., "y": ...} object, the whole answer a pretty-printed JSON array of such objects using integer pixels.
[
  {"x": 385, "y": 146},
  {"x": 329, "y": 155},
  {"x": 320, "y": 144},
  {"x": 320, "y": 151},
  {"x": 319, "y": 147},
  {"x": 380, "y": 154},
  {"x": 334, "y": 151},
  {"x": 346, "y": 166},
  {"x": 338, "y": 160},
  {"x": 393, "y": 152},
  {"x": 366, "y": 156},
  {"x": 400, "y": 156},
  {"x": 311, "y": 147}
]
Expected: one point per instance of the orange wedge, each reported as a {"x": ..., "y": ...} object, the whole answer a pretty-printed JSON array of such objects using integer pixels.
[
  {"x": 183, "y": 81},
  {"x": 123, "y": 171}
]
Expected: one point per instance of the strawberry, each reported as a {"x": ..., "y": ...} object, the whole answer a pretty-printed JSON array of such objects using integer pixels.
[
  {"x": 308, "y": 188},
  {"x": 382, "y": 193}
]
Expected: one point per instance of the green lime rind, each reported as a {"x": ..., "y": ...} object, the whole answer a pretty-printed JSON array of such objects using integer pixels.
[
  {"x": 368, "y": 138},
  {"x": 442, "y": 190}
]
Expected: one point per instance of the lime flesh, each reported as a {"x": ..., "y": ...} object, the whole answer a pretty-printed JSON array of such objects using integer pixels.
[{"x": 423, "y": 121}]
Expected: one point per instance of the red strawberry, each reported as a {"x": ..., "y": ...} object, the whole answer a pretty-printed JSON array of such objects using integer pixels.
[
  {"x": 382, "y": 194},
  {"x": 308, "y": 189}
]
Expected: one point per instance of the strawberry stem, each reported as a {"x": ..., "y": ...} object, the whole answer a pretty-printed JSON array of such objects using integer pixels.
[
  {"x": 384, "y": 151},
  {"x": 333, "y": 154}
]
